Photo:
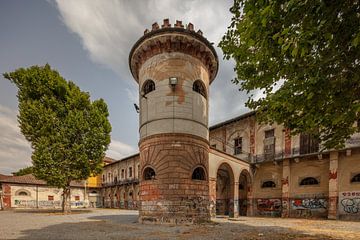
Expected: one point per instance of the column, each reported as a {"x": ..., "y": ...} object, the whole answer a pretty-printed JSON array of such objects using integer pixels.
[
  {"x": 212, "y": 196},
  {"x": 333, "y": 185},
  {"x": 285, "y": 182},
  {"x": 234, "y": 203}
]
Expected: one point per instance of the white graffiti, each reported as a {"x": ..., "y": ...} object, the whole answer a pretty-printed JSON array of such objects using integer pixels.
[{"x": 351, "y": 205}]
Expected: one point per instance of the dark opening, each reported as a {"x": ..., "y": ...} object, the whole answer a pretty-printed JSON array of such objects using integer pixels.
[
  {"x": 199, "y": 87},
  {"x": 149, "y": 86},
  {"x": 23, "y": 194},
  {"x": 198, "y": 174},
  {"x": 268, "y": 184},
  {"x": 309, "y": 181},
  {"x": 356, "y": 178},
  {"x": 149, "y": 173}
]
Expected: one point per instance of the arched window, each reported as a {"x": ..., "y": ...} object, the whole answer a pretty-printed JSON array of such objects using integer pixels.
[
  {"x": 309, "y": 181},
  {"x": 199, "y": 87},
  {"x": 356, "y": 178},
  {"x": 148, "y": 86},
  {"x": 268, "y": 184},
  {"x": 149, "y": 173},
  {"x": 22, "y": 193},
  {"x": 198, "y": 174}
]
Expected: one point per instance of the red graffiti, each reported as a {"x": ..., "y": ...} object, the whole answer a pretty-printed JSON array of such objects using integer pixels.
[
  {"x": 333, "y": 175},
  {"x": 297, "y": 202},
  {"x": 285, "y": 181}
]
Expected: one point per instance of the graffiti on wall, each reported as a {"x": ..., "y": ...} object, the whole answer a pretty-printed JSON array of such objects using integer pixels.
[
  {"x": 44, "y": 204},
  {"x": 309, "y": 203},
  {"x": 349, "y": 202},
  {"x": 269, "y": 206}
]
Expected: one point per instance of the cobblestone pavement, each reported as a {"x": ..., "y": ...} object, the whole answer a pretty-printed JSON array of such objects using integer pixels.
[{"x": 121, "y": 224}]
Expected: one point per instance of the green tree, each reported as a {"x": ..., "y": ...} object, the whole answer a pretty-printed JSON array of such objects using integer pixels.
[
  {"x": 24, "y": 171},
  {"x": 68, "y": 132},
  {"x": 304, "y": 57}
]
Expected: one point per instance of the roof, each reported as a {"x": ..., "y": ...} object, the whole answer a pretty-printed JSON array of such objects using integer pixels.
[
  {"x": 108, "y": 160},
  {"x": 123, "y": 159},
  {"x": 235, "y": 119},
  {"x": 31, "y": 180},
  {"x": 2, "y": 176}
]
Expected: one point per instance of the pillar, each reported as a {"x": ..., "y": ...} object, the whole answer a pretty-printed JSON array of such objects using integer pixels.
[
  {"x": 234, "y": 203},
  {"x": 333, "y": 185},
  {"x": 285, "y": 182}
]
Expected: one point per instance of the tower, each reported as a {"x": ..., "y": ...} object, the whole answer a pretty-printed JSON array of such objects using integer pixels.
[{"x": 174, "y": 67}]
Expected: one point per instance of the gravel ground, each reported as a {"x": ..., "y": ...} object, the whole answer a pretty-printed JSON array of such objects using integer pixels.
[{"x": 121, "y": 224}]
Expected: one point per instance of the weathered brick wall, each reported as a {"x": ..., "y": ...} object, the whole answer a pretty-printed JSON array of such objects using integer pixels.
[{"x": 173, "y": 197}]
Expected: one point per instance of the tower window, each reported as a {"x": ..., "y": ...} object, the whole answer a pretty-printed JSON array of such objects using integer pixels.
[
  {"x": 309, "y": 181},
  {"x": 148, "y": 86},
  {"x": 268, "y": 184},
  {"x": 130, "y": 171},
  {"x": 356, "y": 178},
  {"x": 199, "y": 87},
  {"x": 149, "y": 173},
  {"x": 237, "y": 146},
  {"x": 198, "y": 174}
]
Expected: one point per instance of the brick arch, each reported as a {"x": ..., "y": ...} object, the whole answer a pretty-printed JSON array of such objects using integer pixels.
[{"x": 225, "y": 182}]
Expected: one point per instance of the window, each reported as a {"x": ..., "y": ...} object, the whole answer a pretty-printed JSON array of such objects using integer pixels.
[
  {"x": 103, "y": 178},
  {"x": 198, "y": 174},
  {"x": 77, "y": 198},
  {"x": 309, "y": 181},
  {"x": 237, "y": 146},
  {"x": 213, "y": 145},
  {"x": 199, "y": 87},
  {"x": 356, "y": 178},
  {"x": 115, "y": 179},
  {"x": 50, "y": 198},
  {"x": 149, "y": 173},
  {"x": 148, "y": 86},
  {"x": 269, "y": 145},
  {"x": 241, "y": 186},
  {"x": 308, "y": 144},
  {"x": 138, "y": 169},
  {"x": 268, "y": 184},
  {"x": 22, "y": 193},
  {"x": 130, "y": 171},
  {"x": 122, "y": 173}
]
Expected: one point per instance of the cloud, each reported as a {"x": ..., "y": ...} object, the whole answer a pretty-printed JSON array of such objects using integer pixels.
[
  {"x": 118, "y": 150},
  {"x": 108, "y": 31},
  {"x": 15, "y": 150}
]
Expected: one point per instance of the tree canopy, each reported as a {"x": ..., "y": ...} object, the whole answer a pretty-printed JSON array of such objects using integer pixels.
[
  {"x": 304, "y": 57},
  {"x": 68, "y": 132},
  {"x": 24, "y": 171}
]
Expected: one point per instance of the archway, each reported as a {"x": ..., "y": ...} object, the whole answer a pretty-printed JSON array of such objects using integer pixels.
[
  {"x": 244, "y": 187},
  {"x": 224, "y": 190}
]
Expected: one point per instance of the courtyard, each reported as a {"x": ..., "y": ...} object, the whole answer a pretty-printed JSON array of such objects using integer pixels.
[{"x": 122, "y": 224}]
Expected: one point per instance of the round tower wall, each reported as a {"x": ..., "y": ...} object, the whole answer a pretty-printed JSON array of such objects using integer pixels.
[{"x": 177, "y": 109}]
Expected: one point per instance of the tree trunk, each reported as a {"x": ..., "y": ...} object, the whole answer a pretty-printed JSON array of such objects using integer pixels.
[{"x": 66, "y": 203}]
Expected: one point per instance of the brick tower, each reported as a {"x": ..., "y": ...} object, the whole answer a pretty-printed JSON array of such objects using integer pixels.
[{"x": 174, "y": 66}]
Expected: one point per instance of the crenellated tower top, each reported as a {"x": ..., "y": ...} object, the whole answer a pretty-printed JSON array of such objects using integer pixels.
[{"x": 177, "y": 38}]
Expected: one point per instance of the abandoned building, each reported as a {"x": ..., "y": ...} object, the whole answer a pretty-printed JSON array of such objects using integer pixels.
[{"x": 188, "y": 172}]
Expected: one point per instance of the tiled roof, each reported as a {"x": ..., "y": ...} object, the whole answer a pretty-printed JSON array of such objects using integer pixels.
[
  {"x": 30, "y": 179},
  {"x": 2, "y": 176}
]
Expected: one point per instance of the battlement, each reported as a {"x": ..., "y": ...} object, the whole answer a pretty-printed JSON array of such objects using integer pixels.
[{"x": 166, "y": 24}]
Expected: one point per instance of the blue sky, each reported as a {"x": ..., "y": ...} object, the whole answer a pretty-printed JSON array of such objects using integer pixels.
[{"x": 88, "y": 42}]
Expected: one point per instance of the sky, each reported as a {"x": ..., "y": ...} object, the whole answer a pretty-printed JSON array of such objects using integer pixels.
[{"x": 88, "y": 42}]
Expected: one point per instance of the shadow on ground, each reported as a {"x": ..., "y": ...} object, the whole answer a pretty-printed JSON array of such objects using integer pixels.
[{"x": 125, "y": 227}]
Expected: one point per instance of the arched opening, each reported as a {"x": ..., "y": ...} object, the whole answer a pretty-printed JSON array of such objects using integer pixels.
[
  {"x": 244, "y": 186},
  {"x": 198, "y": 174},
  {"x": 356, "y": 178},
  {"x": 309, "y": 181},
  {"x": 148, "y": 87},
  {"x": 22, "y": 192},
  {"x": 268, "y": 184},
  {"x": 224, "y": 190},
  {"x": 149, "y": 173},
  {"x": 199, "y": 87}
]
